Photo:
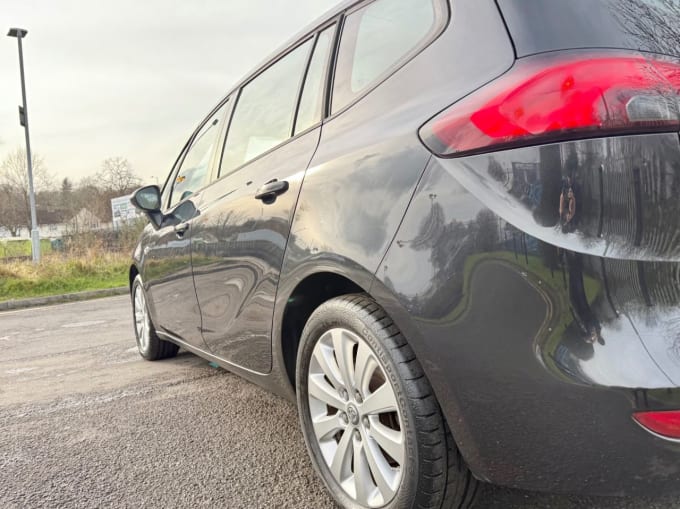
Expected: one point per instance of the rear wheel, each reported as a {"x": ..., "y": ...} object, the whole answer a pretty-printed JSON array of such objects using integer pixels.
[
  {"x": 150, "y": 346},
  {"x": 372, "y": 425}
]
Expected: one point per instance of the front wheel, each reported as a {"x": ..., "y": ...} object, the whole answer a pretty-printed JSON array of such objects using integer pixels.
[
  {"x": 150, "y": 346},
  {"x": 371, "y": 422}
]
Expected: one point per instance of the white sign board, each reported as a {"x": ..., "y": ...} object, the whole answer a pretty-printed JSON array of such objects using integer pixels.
[{"x": 123, "y": 211}]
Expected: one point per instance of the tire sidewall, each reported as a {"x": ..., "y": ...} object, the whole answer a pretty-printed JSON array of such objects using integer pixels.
[
  {"x": 147, "y": 354},
  {"x": 338, "y": 314}
]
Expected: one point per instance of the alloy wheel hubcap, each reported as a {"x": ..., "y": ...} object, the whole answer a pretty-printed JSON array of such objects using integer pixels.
[
  {"x": 353, "y": 414},
  {"x": 356, "y": 420},
  {"x": 142, "y": 323}
]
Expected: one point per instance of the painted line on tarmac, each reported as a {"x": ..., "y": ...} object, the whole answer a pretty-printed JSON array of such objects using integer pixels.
[{"x": 82, "y": 324}]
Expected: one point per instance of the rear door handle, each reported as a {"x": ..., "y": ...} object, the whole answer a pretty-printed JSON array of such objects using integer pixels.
[
  {"x": 181, "y": 229},
  {"x": 268, "y": 192}
]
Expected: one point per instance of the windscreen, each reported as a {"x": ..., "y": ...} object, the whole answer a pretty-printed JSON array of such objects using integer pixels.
[{"x": 545, "y": 25}]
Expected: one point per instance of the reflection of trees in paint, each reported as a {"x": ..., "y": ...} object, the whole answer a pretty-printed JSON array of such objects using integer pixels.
[
  {"x": 496, "y": 171},
  {"x": 450, "y": 244},
  {"x": 526, "y": 185},
  {"x": 653, "y": 24},
  {"x": 485, "y": 231},
  {"x": 627, "y": 191},
  {"x": 546, "y": 211}
]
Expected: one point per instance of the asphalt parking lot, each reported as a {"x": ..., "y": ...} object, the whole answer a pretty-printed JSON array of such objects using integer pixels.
[{"x": 85, "y": 422}]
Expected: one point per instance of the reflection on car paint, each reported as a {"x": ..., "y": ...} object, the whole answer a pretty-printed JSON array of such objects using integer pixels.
[
  {"x": 592, "y": 304},
  {"x": 497, "y": 284}
]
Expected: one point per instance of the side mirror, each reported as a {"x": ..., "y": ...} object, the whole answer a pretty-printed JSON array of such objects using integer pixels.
[{"x": 148, "y": 200}]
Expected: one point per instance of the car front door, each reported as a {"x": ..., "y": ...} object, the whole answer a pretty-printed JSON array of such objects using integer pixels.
[
  {"x": 167, "y": 268},
  {"x": 240, "y": 237}
]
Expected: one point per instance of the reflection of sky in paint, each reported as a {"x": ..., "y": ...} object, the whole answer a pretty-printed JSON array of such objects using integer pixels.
[
  {"x": 644, "y": 359},
  {"x": 634, "y": 364},
  {"x": 131, "y": 78}
]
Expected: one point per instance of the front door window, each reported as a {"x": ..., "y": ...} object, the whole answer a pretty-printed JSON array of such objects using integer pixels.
[{"x": 194, "y": 170}]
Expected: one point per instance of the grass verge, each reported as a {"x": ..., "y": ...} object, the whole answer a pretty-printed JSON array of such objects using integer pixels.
[
  {"x": 14, "y": 247},
  {"x": 55, "y": 275}
]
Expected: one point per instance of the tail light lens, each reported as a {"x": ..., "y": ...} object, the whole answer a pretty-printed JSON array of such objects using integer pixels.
[
  {"x": 546, "y": 98},
  {"x": 666, "y": 424}
]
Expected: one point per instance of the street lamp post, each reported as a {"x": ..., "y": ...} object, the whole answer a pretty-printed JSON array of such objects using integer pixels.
[{"x": 20, "y": 33}]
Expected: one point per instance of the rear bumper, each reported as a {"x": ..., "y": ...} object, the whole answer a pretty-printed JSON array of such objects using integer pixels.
[{"x": 542, "y": 336}]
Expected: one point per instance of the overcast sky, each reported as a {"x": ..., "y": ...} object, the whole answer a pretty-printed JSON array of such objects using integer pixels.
[{"x": 130, "y": 78}]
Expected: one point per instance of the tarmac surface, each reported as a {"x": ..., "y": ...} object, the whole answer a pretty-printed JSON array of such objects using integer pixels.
[{"x": 85, "y": 422}]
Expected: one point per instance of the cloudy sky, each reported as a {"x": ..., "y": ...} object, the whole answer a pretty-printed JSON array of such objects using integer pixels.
[{"x": 130, "y": 78}]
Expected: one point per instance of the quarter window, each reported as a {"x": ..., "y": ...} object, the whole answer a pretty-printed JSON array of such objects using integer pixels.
[
  {"x": 376, "y": 38},
  {"x": 265, "y": 110},
  {"x": 311, "y": 103},
  {"x": 194, "y": 169}
]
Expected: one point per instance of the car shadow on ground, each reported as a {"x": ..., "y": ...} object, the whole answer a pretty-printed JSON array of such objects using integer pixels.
[{"x": 497, "y": 497}]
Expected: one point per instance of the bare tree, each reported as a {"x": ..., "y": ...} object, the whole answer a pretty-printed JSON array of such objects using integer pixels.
[
  {"x": 66, "y": 186},
  {"x": 647, "y": 22},
  {"x": 15, "y": 209},
  {"x": 65, "y": 197},
  {"x": 12, "y": 213},
  {"x": 14, "y": 172},
  {"x": 92, "y": 194},
  {"x": 117, "y": 175}
]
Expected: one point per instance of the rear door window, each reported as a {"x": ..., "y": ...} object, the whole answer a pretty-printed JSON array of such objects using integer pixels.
[
  {"x": 265, "y": 110},
  {"x": 375, "y": 39}
]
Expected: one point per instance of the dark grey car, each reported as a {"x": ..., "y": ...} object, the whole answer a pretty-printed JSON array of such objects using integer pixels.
[{"x": 450, "y": 230}]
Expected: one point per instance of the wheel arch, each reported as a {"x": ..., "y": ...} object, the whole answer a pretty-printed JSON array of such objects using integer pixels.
[
  {"x": 132, "y": 274},
  {"x": 307, "y": 295},
  {"x": 452, "y": 410}
]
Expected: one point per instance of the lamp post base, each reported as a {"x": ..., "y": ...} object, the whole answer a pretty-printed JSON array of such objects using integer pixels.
[{"x": 35, "y": 245}]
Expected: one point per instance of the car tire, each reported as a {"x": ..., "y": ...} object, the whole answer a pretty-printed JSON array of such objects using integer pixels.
[
  {"x": 370, "y": 420},
  {"x": 150, "y": 346}
]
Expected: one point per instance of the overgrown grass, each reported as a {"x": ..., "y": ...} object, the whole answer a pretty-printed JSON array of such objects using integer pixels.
[{"x": 56, "y": 275}]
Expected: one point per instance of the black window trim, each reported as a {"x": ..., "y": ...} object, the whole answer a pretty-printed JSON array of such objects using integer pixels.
[
  {"x": 250, "y": 79},
  {"x": 187, "y": 146},
  {"x": 312, "y": 35},
  {"x": 325, "y": 74},
  {"x": 443, "y": 14},
  {"x": 442, "y": 21},
  {"x": 301, "y": 84},
  {"x": 330, "y": 74},
  {"x": 172, "y": 174}
]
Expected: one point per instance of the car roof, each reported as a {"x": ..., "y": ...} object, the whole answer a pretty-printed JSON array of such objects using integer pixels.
[{"x": 307, "y": 30}]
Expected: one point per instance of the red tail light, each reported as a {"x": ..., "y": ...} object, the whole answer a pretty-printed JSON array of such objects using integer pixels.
[
  {"x": 543, "y": 99},
  {"x": 666, "y": 424}
]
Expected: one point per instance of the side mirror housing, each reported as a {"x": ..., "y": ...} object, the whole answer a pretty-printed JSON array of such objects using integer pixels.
[{"x": 148, "y": 200}]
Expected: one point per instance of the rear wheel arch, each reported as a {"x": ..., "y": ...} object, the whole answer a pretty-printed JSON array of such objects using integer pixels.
[
  {"x": 453, "y": 413},
  {"x": 308, "y": 295},
  {"x": 444, "y": 479}
]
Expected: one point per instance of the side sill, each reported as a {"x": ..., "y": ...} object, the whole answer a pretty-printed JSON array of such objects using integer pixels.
[
  {"x": 208, "y": 356},
  {"x": 268, "y": 381}
]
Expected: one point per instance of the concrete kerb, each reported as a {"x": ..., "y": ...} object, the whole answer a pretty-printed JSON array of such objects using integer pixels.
[{"x": 60, "y": 299}]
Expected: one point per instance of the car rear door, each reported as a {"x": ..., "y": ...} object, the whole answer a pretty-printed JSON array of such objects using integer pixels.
[{"x": 240, "y": 237}]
